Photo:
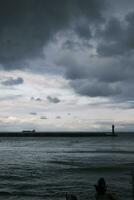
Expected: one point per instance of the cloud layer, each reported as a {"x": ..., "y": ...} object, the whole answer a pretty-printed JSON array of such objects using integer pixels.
[
  {"x": 53, "y": 99},
  {"x": 64, "y": 56},
  {"x": 82, "y": 28},
  {"x": 12, "y": 81},
  {"x": 26, "y": 26}
]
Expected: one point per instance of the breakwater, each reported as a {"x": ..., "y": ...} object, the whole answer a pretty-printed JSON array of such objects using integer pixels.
[{"x": 56, "y": 134}]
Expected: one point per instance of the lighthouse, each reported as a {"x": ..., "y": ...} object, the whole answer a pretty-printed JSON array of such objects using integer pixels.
[{"x": 113, "y": 132}]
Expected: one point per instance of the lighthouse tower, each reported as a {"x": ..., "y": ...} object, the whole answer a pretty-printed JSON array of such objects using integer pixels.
[{"x": 113, "y": 132}]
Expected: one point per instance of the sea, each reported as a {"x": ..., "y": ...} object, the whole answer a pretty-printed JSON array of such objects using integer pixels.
[{"x": 37, "y": 168}]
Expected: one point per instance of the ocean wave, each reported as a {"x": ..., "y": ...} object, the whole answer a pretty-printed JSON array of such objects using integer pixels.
[
  {"x": 93, "y": 167},
  {"x": 25, "y": 194},
  {"x": 94, "y": 152}
]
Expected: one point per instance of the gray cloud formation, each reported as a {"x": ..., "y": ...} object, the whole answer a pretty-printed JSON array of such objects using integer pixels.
[
  {"x": 110, "y": 72},
  {"x": 117, "y": 37},
  {"x": 83, "y": 30},
  {"x": 113, "y": 78},
  {"x": 36, "y": 99},
  {"x": 33, "y": 113},
  {"x": 94, "y": 88},
  {"x": 58, "y": 117},
  {"x": 43, "y": 117},
  {"x": 12, "y": 81},
  {"x": 10, "y": 97},
  {"x": 30, "y": 25},
  {"x": 53, "y": 99},
  {"x": 26, "y": 26}
]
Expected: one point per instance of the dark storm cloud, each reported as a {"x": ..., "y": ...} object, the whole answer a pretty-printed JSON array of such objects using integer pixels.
[
  {"x": 70, "y": 44},
  {"x": 112, "y": 68},
  {"x": 53, "y": 99},
  {"x": 26, "y": 26},
  {"x": 104, "y": 70},
  {"x": 75, "y": 72},
  {"x": 83, "y": 31},
  {"x": 120, "y": 7},
  {"x": 117, "y": 37},
  {"x": 94, "y": 89},
  {"x": 113, "y": 30},
  {"x": 74, "y": 69},
  {"x": 13, "y": 81},
  {"x": 114, "y": 80},
  {"x": 113, "y": 75}
]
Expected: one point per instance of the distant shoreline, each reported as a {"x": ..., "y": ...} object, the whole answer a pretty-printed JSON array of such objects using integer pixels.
[{"x": 57, "y": 134}]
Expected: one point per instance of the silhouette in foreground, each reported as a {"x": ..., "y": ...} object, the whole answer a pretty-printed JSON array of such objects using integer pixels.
[{"x": 101, "y": 191}]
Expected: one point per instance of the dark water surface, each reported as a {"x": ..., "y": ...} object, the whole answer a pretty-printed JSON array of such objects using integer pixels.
[{"x": 46, "y": 168}]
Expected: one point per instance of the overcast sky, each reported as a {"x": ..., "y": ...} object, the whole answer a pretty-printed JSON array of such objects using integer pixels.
[{"x": 66, "y": 64}]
